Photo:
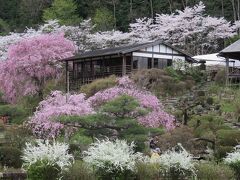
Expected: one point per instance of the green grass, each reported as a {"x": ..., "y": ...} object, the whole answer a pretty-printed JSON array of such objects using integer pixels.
[{"x": 228, "y": 107}]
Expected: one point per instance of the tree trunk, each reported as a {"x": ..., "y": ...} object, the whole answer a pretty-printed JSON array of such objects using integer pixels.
[
  {"x": 238, "y": 9},
  {"x": 114, "y": 14},
  {"x": 184, "y": 4},
  {"x": 170, "y": 6},
  {"x": 234, "y": 10},
  {"x": 151, "y": 7},
  {"x": 131, "y": 10},
  {"x": 222, "y": 1}
]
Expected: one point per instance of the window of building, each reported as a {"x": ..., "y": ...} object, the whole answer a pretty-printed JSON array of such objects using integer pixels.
[
  {"x": 155, "y": 63},
  {"x": 149, "y": 63},
  {"x": 169, "y": 62},
  {"x": 135, "y": 64}
]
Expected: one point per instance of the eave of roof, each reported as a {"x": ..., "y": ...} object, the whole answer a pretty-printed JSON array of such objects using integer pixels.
[
  {"x": 232, "y": 51},
  {"x": 124, "y": 50}
]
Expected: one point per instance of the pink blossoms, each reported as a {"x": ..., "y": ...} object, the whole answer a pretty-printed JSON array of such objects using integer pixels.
[
  {"x": 43, "y": 122},
  {"x": 31, "y": 62},
  {"x": 156, "y": 117}
]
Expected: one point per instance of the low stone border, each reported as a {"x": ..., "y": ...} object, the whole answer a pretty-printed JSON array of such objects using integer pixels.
[{"x": 13, "y": 175}]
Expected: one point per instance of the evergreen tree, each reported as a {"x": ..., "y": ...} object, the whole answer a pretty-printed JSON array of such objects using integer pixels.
[
  {"x": 103, "y": 19},
  {"x": 64, "y": 11},
  {"x": 115, "y": 119}
]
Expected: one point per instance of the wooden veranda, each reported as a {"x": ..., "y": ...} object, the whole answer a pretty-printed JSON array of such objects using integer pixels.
[
  {"x": 86, "y": 70},
  {"x": 85, "y": 67}
]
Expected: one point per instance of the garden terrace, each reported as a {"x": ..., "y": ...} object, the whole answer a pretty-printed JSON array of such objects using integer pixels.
[{"x": 86, "y": 67}]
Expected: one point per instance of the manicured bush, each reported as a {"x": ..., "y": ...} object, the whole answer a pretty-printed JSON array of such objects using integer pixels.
[
  {"x": 206, "y": 124},
  {"x": 43, "y": 170},
  {"x": 183, "y": 135},
  {"x": 16, "y": 114},
  {"x": 221, "y": 151},
  {"x": 147, "y": 171},
  {"x": 163, "y": 82},
  {"x": 79, "y": 171},
  {"x": 233, "y": 160},
  {"x": 229, "y": 137},
  {"x": 98, "y": 85},
  {"x": 112, "y": 159},
  {"x": 10, "y": 156},
  {"x": 46, "y": 160},
  {"x": 209, "y": 100},
  {"x": 213, "y": 171},
  {"x": 176, "y": 163}
]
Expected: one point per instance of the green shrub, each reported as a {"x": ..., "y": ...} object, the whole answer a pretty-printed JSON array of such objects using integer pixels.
[
  {"x": 42, "y": 170},
  {"x": 29, "y": 103},
  {"x": 17, "y": 136},
  {"x": 228, "y": 137},
  {"x": 176, "y": 74},
  {"x": 227, "y": 107},
  {"x": 79, "y": 171},
  {"x": 183, "y": 135},
  {"x": 226, "y": 140},
  {"x": 147, "y": 171},
  {"x": 98, "y": 85},
  {"x": 53, "y": 85},
  {"x": 205, "y": 124},
  {"x": 213, "y": 171},
  {"x": 10, "y": 156},
  {"x": 221, "y": 151},
  {"x": 163, "y": 82},
  {"x": 16, "y": 114},
  {"x": 210, "y": 100},
  {"x": 214, "y": 89},
  {"x": 220, "y": 77}
]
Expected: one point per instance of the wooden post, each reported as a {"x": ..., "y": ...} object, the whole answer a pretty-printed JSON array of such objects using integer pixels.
[
  {"x": 67, "y": 78},
  {"x": 124, "y": 65},
  {"x": 227, "y": 71},
  {"x": 131, "y": 62}
]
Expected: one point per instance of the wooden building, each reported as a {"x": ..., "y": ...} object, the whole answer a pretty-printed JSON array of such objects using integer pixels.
[
  {"x": 232, "y": 52},
  {"x": 84, "y": 68}
]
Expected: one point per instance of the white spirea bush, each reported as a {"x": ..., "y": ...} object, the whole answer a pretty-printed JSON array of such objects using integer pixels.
[
  {"x": 54, "y": 153},
  {"x": 233, "y": 157},
  {"x": 181, "y": 161},
  {"x": 112, "y": 156}
]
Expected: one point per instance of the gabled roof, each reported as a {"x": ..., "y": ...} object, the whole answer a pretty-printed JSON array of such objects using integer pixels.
[
  {"x": 232, "y": 51},
  {"x": 124, "y": 50}
]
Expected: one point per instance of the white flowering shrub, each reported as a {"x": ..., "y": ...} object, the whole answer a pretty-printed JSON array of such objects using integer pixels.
[
  {"x": 176, "y": 163},
  {"x": 44, "y": 160},
  {"x": 233, "y": 160},
  {"x": 112, "y": 157}
]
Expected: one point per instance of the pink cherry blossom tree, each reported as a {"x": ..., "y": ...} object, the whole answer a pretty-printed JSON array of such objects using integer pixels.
[
  {"x": 43, "y": 123},
  {"x": 155, "y": 118},
  {"x": 31, "y": 62}
]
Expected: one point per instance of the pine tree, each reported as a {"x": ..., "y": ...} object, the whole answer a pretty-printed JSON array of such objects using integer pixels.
[{"x": 115, "y": 119}]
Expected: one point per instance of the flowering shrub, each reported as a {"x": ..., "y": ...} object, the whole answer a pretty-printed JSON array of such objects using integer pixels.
[
  {"x": 155, "y": 118},
  {"x": 110, "y": 157},
  {"x": 32, "y": 61},
  {"x": 233, "y": 160},
  {"x": 44, "y": 157},
  {"x": 176, "y": 163},
  {"x": 55, "y": 105}
]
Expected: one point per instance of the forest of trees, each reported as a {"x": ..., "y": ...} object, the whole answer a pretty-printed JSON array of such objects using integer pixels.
[{"x": 16, "y": 15}]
